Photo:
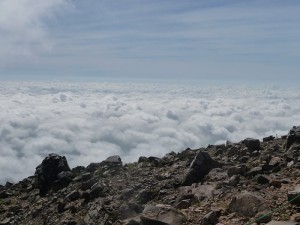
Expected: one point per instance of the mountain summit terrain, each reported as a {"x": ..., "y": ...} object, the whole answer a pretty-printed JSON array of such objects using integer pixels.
[{"x": 245, "y": 183}]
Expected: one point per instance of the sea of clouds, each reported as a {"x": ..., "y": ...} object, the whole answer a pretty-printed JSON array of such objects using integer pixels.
[{"x": 89, "y": 122}]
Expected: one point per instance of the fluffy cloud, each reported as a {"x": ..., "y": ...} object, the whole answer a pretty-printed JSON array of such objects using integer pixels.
[
  {"x": 23, "y": 29},
  {"x": 89, "y": 122}
]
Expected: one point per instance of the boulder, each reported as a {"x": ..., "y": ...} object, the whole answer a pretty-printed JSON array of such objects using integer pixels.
[
  {"x": 293, "y": 137},
  {"x": 210, "y": 218},
  {"x": 247, "y": 204},
  {"x": 92, "y": 167},
  {"x": 294, "y": 196},
  {"x": 112, "y": 161},
  {"x": 47, "y": 172},
  {"x": 200, "y": 166},
  {"x": 262, "y": 179},
  {"x": 269, "y": 138},
  {"x": 237, "y": 170},
  {"x": 252, "y": 144},
  {"x": 162, "y": 215}
]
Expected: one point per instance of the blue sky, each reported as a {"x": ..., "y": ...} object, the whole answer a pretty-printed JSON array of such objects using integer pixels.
[{"x": 144, "y": 40}]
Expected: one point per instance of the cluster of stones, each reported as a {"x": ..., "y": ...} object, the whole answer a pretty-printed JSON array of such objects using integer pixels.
[{"x": 249, "y": 182}]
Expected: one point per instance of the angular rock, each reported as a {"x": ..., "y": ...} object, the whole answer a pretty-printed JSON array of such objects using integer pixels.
[
  {"x": 237, "y": 170},
  {"x": 48, "y": 170},
  {"x": 74, "y": 195},
  {"x": 183, "y": 204},
  {"x": 146, "y": 195},
  {"x": 112, "y": 161},
  {"x": 262, "y": 179},
  {"x": 92, "y": 167},
  {"x": 200, "y": 166},
  {"x": 269, "y": 138},
  {"x": 64, "y": 178},
  {"x": 6, "y": 221},
  {"x": 97, "y": 191},
  {"x": 210, "y": 218},
  {"x": 294, "y": 196},
  {"x": 162, "y": 215},
  {"x": 252, "y": 144},
  {"x": 247, "y": 204},
  {"x": 87, "y": 184},
  {"x": 254, "y": 171},
  {"x": 293, "y": 137},
  {"x": 273, "y": 222}
]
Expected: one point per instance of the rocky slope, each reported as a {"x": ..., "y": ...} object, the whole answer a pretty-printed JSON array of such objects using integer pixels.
[{"x": 249, "y": 182}]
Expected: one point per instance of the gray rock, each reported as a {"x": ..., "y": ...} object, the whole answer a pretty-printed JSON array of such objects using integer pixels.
[
  {"x": 92, "y": 167},
  {"x": 183, "y": 204},
  {"x": 146, "y": 195},
  {"x": 200, "y": 166},
  {"x": 237, "y": 170},
  {"x": 87, "y": 184},
  {"x": 294, "y": 196},
  {"x": 73, "y": 196},
  {"x": 293, "y": 137},
  {"x": 210, "y": 218},
  {"x": 6, "y": 221},
  {"x": 247, "y": 204},
  {"x": 254, "y": 171},
  {"x": 269, "y": 138},
  {"x": 273, "y": 222},
  {"x": 262, "y": 179},
  {"x": 97, "y": 191},
  {"x": 162, "y": 215},
  {"x": 112, "y": 161}
]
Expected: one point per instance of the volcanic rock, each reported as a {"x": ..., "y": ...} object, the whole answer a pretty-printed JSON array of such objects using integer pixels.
[
  {"x": 47, "y": 172},
  {"x": 162, "y": 215},
  {"x": 247, "y": 204},
  {"x": 293, "y": 137},
  {"x": 251, "y": 144},
  {"x": 200, "y": 166}
]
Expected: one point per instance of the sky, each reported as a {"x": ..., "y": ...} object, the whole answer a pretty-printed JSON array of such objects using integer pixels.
[{"x": 223, "y": 40}]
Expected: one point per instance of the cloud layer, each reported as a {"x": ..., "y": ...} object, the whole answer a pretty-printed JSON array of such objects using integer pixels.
[{"x": 89, "y": 122}]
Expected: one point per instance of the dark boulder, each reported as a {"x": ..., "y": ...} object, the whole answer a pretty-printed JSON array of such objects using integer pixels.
[
  {"x": 269, "y": 138},
  {"x": 252, "y": 144},
  {"x": 92, "y": 167},
  {"x": 112, "y": 161},
  {"x": 200, "y": 166},
  {"x": 293, "y": 137},
  {"x": 47, "y": 172}
]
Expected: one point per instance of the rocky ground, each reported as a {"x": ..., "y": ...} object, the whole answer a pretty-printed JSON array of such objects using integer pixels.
[{"x": 249, "y": 182}]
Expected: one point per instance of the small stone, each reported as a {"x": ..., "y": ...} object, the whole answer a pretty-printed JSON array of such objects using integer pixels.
[
  {"x": 73, "y": 196},
  {"x": 183, "y": 204},
  {"x": 209, "y": 218},
  {"x": 262, "y": 179}
]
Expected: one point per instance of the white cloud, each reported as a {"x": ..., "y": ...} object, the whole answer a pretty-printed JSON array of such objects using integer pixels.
[
  {"x": 23, "y": 31},
  {"x": 89, "y": 122}
]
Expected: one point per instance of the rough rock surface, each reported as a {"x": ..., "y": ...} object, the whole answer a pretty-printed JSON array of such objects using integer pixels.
[
  {"x": 200, "y": 166},
  {"x": 52, "y": 169},
  {"x": 293, "y": 137},
  {"x": 247, "y": 204},
  {"x": 230, "y": 184}
]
